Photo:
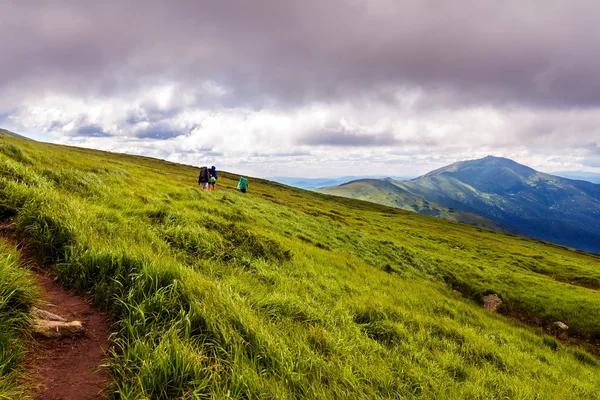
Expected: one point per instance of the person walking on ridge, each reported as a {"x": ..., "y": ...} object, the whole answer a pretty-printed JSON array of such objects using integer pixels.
[
  {"x": 204, "y": 177},
  {"x": 242, "y": 185},
  {"x": 212, "y": 180}
]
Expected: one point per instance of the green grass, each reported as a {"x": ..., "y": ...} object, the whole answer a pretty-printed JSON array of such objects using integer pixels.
[
  {"x": 16, "y": 297},
  {"x": 282, "y": 293}
]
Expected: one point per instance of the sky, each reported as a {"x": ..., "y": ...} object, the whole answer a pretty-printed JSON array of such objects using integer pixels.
[{"x": 308, "y": 88}]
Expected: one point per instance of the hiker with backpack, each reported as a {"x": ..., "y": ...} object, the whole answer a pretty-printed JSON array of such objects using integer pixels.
[
  {"x": 204, "y": 177},
  {"x": 242, "y": 185},
  {"x": 212, "y": 180}
]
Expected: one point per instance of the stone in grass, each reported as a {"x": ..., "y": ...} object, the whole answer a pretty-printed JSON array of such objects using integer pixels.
[
  {"x": 46, "y": 315},
  {"x": 558, "y": 329},
  {"x": 561, "y": 325},
  {"x": 50, "y": 325},
  {"x": 491, "y": 302},
  {"x": 57, "y": 329}
]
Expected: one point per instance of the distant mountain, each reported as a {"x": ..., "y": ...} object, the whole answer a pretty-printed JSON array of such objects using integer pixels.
[
  {"x": 7, "y": 133},
  {"x": 314, "y": 183},
  {"x": 536, "y": 204},
  {"x": 580, "y": 175},
  {"x": 387, "y": 192}
]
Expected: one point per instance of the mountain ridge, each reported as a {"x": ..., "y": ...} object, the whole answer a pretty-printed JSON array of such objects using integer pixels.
[
  {"x": 318, "y": 183},
  {"x": 10, "y": 134},
  {"x": 533, "y": 203},
  {"x": 386, "y": 192}
]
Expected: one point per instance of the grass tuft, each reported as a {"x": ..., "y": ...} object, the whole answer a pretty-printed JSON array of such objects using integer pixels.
[
  {"x": 17, "y": 295},
  {"x": 14, "y": 152}
]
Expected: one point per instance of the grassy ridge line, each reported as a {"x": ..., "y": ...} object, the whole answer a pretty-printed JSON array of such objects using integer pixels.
[
  {"x": 17, "y": 295},
  {"x": 385, "y": 192},
  {"x": 274, "y": 294}
]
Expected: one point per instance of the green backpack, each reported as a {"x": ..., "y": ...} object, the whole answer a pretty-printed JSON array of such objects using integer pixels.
[{"x": 242, "y": 184}]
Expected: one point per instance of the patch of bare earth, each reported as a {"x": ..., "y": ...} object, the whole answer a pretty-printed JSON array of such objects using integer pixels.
[
  {"x": 69, "y": 368},
  {"x": 66, "y": 368}
]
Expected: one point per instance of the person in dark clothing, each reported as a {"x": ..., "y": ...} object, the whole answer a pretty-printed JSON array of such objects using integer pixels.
[
  {"x": 204, "y": 177},
  {"x": 212, "y": 181}
]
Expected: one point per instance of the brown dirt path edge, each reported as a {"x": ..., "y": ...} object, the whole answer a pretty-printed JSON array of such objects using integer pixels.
[
  {"x": 69, "y": 368},
  {"x": 65, "y": 368}
]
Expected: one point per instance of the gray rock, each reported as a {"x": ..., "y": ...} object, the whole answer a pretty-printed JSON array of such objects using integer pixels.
[
  {"x": 491, "y": 302},
  {"x": 46, "y": 315},
  {"x": 50, "y": 325},
  {"x": 57, "y": 329},
  {"x": 561, "y": 325}
]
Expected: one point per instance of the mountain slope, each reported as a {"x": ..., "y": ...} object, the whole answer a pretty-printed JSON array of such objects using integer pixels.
[
  {"x": 283, "y": 293},
  {"x": 316, "y": 183},
  {"x": 388, "y": 193},
  {"x": 8, "y": 134},
  {"x": 536, "y": 204}
]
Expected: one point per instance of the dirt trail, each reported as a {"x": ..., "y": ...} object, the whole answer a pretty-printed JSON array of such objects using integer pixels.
[{"x": 66, "y": 368}]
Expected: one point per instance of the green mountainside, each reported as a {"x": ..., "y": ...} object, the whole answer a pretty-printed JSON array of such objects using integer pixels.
[
  {"x": 387, "y": 192},
  {"x": 8, "y": 134},
  {"x": 536, "y": 204},
  {"x": 515, "y": 197},
  {"x": 282, "y": 293}
]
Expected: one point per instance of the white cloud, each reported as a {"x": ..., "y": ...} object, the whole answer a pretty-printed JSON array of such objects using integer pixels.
[
  {"x": 318, "y": 139},
  {"x": 330, "y": 87}
]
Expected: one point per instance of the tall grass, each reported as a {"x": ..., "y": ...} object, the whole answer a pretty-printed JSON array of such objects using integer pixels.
[
  {"x": 284, "y": 294},
  {"x": 16, "y": 297}
]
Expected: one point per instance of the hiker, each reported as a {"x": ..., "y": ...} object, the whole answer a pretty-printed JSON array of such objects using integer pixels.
[
  {"x": 204, "y": 177},
  {"x": 242, "y": 184},
  {"x": 212, "y": 180}
]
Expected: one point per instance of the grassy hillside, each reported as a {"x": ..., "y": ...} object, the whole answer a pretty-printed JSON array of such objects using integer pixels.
[
  {"x": 387, "y": 193},
  {"x": 8, "y": 134},
  {"x": 16, "y": 296},
  {"x": 283, "y": 293}
]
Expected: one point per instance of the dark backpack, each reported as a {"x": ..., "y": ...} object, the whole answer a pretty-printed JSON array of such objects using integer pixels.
[{"x": 203, "y": 178}]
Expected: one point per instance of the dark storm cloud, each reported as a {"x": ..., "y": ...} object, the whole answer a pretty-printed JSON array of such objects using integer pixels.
[
  {"x": 160, "y": 131},
  {"x": 349, "y": 139},
  {"x": 91, "y": 130},
  {"x": 271, "y": 52},
  {"x": 80, "y": 126},
  {"x": 594, "y": 148},
  {"x": 287, "y": 154},
  {"x": 151, "y": 113},
  {"x": 4, "y": 117},
  {"x": 204, "y": 151},
  {"x": 593, "y": 161},
  {"x": 593, "y": 158},
  {"x": 281, "y": 154}
]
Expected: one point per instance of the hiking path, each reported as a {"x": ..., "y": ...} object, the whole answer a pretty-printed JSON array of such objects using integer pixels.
[{"x": 64, "y": 368}]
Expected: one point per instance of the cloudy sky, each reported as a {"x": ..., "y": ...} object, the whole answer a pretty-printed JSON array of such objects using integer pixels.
[{"x": 308, "y": 87}]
